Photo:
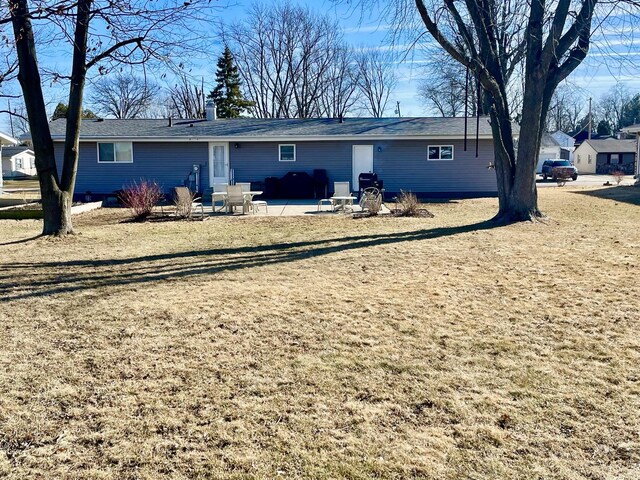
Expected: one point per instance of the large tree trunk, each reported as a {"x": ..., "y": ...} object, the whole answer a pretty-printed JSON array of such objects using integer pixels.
[
  {"x": 55, "y": 203},
  {"x": 56, "y": 192}
]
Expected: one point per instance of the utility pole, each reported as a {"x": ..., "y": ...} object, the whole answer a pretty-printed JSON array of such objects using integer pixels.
[
  {"x": 398, "y": 109},
  {"x": 590, "y": 119},
  {"x": 10, "y": 118}
]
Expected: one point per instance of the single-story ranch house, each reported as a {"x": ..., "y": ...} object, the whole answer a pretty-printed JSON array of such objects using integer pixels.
[
  {"x": 18, "y": 162},
  {"x": 422, "y": 155},
  {"x": 606, "y": 156}
]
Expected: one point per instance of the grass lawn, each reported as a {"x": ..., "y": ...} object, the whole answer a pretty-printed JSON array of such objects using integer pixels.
[{"x": 326, "y": 347}]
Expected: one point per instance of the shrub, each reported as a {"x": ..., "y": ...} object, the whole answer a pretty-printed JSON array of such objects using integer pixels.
[
  {"x": 618, "y": 176},
  {"x": 408, "y": 205},
  {"x": 183, "y": 201},
  {"x": 141, "y": 198}
]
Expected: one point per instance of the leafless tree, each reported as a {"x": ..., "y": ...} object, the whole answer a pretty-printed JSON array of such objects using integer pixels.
[
  {"x": 186, "y": 99},
  {"x": 566, "y": 109},
  {"x": 122, "y": 96},
  {"x": 293, "y": 63},
  {"x": 376, "y": 79},
  {"x": 611, "y": 105},
  {"x": 341, "y": 92},
  {"x": 98, "y": 34},
  {"x": 548, "y": 39}
]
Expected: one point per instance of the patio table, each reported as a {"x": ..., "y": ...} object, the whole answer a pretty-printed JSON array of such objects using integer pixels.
[
  {"x": 248, "y": 197},
  {"x": 342, "y": 202}
]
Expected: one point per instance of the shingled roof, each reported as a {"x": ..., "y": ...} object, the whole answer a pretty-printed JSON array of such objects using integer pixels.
[
  {"x": 612, "y": 145},
  {"x": 260, "y": 129},
  {"x": 8, "y": 152}
]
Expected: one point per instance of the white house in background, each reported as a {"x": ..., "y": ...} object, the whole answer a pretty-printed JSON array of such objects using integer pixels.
[
  {"x": 5, "y": 140},
  {"x": 567, "y": 144},
  {"x": 606, "y": 156},
  {"x": 550, "y": 149},
  {"x": 18, "y": 162}
]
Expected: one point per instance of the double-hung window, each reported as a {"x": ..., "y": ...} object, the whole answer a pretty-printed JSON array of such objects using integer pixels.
[
  {"x": 115, "y": 152},
  {"x": 439, "y": 152},
  {"x": 287, "y": 153},
  {"x": 19, "y": 162}
]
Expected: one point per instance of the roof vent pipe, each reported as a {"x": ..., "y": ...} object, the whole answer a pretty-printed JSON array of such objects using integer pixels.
[{"x": 210, "y": 111}]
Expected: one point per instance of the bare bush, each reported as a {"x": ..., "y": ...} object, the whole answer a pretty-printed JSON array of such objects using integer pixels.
[
  {"x": 141, "y": 198},
  {"x": 618, "y": 176},
  {"x": 408, "y": 205},
  {"x": 183, "y": 201}
]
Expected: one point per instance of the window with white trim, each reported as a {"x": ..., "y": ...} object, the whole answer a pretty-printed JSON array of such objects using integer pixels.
[
  {"x": 439, "y": 152},
  {"x": 115, "y": 152},
  {"x": 287, "y": 153},
  {"x": 19, "y": 162}
]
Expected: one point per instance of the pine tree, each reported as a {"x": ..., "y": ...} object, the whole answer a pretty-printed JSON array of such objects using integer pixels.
[{"x": 230, "y": 103}]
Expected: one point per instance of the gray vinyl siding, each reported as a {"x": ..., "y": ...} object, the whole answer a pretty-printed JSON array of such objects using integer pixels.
[
  {"x": 168, "y": 164},
  {"x": 402, "y": 165}
]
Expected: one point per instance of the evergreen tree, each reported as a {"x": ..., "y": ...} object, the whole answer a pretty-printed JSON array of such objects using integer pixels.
[
  {"x": 631, "y": 112},
  {"x": 604, "y": 128},
  {"x": 230, "y": 103},
  {"x": 61, "y": 112}
]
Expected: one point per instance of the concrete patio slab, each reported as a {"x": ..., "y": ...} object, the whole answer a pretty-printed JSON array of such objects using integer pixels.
[{"x": 285, "y": 208}]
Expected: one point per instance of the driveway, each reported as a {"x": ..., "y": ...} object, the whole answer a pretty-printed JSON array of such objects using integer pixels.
[{"x": 587, "y": 180}]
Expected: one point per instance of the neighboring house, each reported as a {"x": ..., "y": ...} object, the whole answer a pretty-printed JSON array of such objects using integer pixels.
[
  {"x": 550, "y": 149},
  {"x": 18, "y": 162},
  {"x": 606, "y": 156},
  {"x": 5, "y": 140},
  {"x": 635, "y": 130},
  {"x": 422, "y": 155},
  {"x": 567, "y": 144}
]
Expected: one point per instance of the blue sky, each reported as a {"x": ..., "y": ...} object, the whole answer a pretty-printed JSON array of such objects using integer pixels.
[{"x": 615, "y": 56}]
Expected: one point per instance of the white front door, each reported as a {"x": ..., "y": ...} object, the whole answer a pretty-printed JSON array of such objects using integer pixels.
[
  {"x": 362, "y": 162},
  {"x": 218, "y": 163}
]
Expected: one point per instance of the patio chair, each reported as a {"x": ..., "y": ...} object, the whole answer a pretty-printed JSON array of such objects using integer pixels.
[
  {"x": 341, "y": 189},
  {"x": 255, "y": 205},
  {"x": 186, "y": 202},
  {"x": 371, "y": 200},
  {"x": 219, "y": 188},
  {"x": 235, "y": 198},
  {"x": 246, "y": 187}
]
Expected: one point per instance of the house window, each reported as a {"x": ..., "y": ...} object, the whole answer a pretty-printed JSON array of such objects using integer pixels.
[
  {"x": 578, "y": 158},
  {"x": 115, "y": 152},
  {"x": 18, "y": 163},
  {"x": 33, "y": 163},
  {"x": 287, "y": 153},
  {"x": 440, "y": 152},
  {"x": 589, "y": 159},
  {"x": 614, "y": 158}
]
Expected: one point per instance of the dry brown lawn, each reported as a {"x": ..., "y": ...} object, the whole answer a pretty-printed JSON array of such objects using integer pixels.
[{"x": 326, "y": 347}]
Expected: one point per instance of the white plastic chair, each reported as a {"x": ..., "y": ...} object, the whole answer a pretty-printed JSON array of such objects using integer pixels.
[
  {"x": 246, "y": 187},
  {"x": 235, "y": 198},
  {"x": 219, "y": 188}
]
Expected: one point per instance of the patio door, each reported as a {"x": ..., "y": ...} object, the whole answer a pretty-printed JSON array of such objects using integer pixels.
[
  {"x": 218, "y": 163},
  {"x": 362, "y": 162}
]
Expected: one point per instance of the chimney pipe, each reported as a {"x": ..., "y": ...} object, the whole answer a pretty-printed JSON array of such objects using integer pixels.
[{"x": 210, "y": 111}]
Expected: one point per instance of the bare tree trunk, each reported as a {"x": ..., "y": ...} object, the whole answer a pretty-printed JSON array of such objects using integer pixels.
[{"x": 54, "y": 201}]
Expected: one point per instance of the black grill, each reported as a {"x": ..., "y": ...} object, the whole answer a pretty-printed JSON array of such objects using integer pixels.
[{"x": 369, "y": 180}]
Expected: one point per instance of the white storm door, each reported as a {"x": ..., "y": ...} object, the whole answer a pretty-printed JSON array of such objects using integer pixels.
[
  {"x": 362, "y": 163},
  {"x": 218, "y": 163}
]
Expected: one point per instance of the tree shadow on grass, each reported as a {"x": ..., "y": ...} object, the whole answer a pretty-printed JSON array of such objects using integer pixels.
[
  {"x": 626, "y": 194},
  {"x": 83, "y": 275}
]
